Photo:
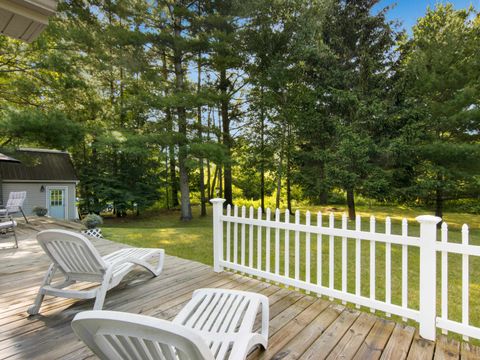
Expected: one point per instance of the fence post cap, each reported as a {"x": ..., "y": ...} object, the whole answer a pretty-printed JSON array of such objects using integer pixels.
[
  {"x": 428, "y": 219},
  {"x": 217, "y": 201}
]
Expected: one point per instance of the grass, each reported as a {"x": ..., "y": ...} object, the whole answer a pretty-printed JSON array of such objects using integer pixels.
[{"x": 193, "y": 240}]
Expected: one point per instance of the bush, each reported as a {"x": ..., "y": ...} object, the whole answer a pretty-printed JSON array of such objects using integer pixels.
[
  {"x": 39, "y": 211},
  {"x": 91, "y": 221}
]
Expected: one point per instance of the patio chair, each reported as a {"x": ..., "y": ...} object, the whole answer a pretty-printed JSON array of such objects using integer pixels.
[
  {"x": 14, "y": 204},
  {"x": 215, "y": 324},
  {"x": 9, "y": 225},
  {"x": 78, "y": 260}
]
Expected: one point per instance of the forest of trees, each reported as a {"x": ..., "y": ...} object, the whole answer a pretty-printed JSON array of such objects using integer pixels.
[{"x": 168, "y": 101}]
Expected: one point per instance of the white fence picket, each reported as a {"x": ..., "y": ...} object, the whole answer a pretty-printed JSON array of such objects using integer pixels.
[
  {"x": 444, "y": 281},
  {"x": 259, "y": 240},
  {"x": 277, "y": 242},
  {"x": 287, "y": 246},
  {"x": 319, "y": 251},
  {"x": 297, "y": 247},
  {"x": 404, "y": 266},
  {"x": 267, "y": 240},
  {"x": 388, "y": 264},
  {"x": 344, "y": 256},
  {"x": 229, "y": 209},
  {"x": 235, "y": 236},
  {"x": 372, "y": 262},
  {"x": 307, "y": 250},
  {"x": 358, "y": 258},
  {"x": 331, "y": 253},
  {"x": 250, "y": 237},
  {"x": 465, "y": 281},
  {"x": 242, "y": 250}
]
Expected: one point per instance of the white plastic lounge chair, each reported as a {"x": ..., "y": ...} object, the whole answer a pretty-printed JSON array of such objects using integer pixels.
[
  {"x": 7, "y": 225},
  {"x": 216, "y": 324},
  {"x": 14, "y": 204},
  {"x": 78, "y": 260}
]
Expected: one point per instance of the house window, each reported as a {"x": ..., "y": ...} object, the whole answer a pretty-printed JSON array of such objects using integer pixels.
[{"x": 56, "y": 197}]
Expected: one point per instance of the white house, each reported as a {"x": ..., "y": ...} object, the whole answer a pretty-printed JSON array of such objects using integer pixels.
[{"x": 48, "y": 177}]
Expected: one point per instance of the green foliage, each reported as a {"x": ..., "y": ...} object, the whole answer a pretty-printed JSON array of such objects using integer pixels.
[
  {"x": 39, "y": 128},
  {"x": 280, "y": 101},
  {"x": 91, "y": 221},
  {"x": 441, "y": 82},
  {"x": 39, "y": 210}
]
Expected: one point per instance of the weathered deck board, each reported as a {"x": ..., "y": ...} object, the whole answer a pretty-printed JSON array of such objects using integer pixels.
[
  {"x": 301, "y": 326},
  {"x": 348, "y": 346}
]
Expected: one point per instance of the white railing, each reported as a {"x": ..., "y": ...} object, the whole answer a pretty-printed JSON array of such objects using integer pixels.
[{"x": 268, "y": 255}]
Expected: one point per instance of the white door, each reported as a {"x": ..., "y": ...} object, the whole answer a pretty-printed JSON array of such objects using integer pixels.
[{"x": 56, "y": 202}]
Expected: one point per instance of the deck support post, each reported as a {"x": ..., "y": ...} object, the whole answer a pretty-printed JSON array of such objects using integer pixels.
[
  {"x": 217, "y": 234},
  {"x": 428, "y": 275}
]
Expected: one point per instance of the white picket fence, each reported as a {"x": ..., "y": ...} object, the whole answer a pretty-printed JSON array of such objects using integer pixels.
[{"x": 234, "y": 240}]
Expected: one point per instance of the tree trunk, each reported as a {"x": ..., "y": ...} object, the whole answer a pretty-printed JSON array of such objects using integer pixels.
[
  {"x": 279, "y": 172},
  {"x": 323, "y": 189},
  {"x": 209, "y": 184},
  {"x": 171, "y": 148},
  {"x": 203, "y": 205},
  {"x": 172, "y": 163},
  {"x": 287, "y": 173},
  {"x": 279, "y": 180},
  {"x": 439, "y": 202},
  {"x": 323, "y": 197},
  {"x": 351, "y": 204},
  {"x": 439, "y": 199},
  {"x": 186, "y": 210},
  {"x": 214, "y": 182},
  {"x": 166, "y": 181},
  {"x": 227, "y": 140},
  {"x": 220, "y": 182},
  {"x": 262, "y": 161}
]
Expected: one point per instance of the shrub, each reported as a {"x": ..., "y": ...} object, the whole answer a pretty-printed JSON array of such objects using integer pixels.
[
  {"x": 91, "y": 221},
  {"x": 39, "y": 211}
]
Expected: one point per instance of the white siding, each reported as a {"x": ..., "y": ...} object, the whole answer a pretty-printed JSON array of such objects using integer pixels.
[{"x": 37, "y": 198}]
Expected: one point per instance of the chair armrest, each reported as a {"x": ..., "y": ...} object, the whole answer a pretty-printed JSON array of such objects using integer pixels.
[{"x": 114, "y": 264}]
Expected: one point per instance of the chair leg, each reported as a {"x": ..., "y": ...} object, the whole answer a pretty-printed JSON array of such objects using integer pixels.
[
  {"x": 159, "y": 267},
  {"x": 101, "y": 293},
  {"x": 34, "y": 309},
  {"x": 24, "y": 215},
  {"x": 15, "y": 236},
  {"x": 265, "y": 319}
]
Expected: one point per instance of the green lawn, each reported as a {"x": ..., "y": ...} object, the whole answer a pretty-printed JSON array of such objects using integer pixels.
[{"x": 193, "y": 240}]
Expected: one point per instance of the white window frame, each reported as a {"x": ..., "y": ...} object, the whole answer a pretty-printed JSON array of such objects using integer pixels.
[{"x": 47, "y": 198}]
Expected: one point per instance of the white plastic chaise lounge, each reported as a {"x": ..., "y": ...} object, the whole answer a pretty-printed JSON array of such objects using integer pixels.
[
  {"x": 78, "y": 260},
  {"x": 7, "y": 225},
  {"x": 216, "y": 324},
  {"x": 14, "y": 205}
]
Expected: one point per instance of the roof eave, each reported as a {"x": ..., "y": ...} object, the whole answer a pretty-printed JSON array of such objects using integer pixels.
[{"x": 25, "y": 19}]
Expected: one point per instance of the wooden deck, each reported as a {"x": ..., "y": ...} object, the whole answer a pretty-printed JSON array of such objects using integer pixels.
[{"x": 301, "y": 326}]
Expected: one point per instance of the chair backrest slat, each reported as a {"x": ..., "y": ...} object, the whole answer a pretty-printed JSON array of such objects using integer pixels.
[
  {"x": 15, "y": 200},
  {"x": 72, "y": 252},
  {"x": 115, "y": 335}
]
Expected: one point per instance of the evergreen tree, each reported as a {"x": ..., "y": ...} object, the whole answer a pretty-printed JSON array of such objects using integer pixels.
[
  {"x": 361, "y": 42},
  {"x": 441, "y": 83}
]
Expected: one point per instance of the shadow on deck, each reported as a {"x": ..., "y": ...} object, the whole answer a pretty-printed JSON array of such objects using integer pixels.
[{"x": 301, "y": 326}]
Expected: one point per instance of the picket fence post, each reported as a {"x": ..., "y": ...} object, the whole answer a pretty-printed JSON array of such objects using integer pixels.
[
  {"x": 428, "y": 275},
  {"x": 217, "y": 234}
]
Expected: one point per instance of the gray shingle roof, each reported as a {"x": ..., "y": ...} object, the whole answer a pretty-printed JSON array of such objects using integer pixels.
[{"x": 39, "y": 164}]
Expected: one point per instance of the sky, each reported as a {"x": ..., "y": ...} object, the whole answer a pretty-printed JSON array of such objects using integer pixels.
[{"x": 408, "y": 11}]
